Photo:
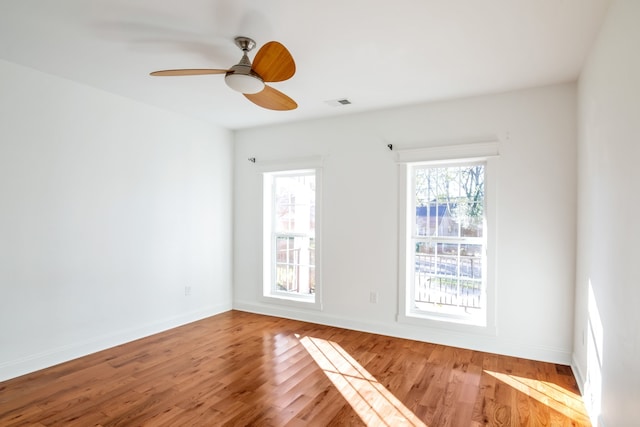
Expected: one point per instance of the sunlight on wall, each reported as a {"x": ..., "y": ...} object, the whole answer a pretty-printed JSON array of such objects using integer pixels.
[
  {"x": 554, "y": 396},
  {"x": 371, "y": 400},
  {"x": 595, "y": 347}
]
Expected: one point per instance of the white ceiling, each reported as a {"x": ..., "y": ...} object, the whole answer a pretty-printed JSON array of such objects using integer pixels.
[{"x": 375, "y": 53}]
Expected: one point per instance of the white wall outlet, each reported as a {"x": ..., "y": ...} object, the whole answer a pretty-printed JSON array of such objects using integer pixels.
[
  {"x": 373, "y": 297},
  {"x": 187, "y": 291}
]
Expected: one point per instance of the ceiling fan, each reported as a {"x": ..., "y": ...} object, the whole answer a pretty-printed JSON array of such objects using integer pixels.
[{"x": 272, "y": 63}]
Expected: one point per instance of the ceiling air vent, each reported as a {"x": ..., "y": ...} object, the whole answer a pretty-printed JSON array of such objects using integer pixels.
[{"x": 338, "y": 102}]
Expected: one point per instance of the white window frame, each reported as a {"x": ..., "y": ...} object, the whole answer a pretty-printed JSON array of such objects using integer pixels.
[
  {"x": 486, "y": 153},
  {"x": 267, "y": 294}
]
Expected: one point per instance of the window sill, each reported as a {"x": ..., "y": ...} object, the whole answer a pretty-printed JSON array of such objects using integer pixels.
[
  {"x": 457, "y": 324},
  {"x": 309, "y": 303}
]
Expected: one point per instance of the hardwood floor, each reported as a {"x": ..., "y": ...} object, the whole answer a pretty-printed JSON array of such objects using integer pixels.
[{"x": 240, "y": 369}]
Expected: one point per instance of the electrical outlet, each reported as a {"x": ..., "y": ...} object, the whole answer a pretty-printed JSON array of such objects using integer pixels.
[
  {"x": 187, "y": 291},
  {"x": 373, "y": 297}
]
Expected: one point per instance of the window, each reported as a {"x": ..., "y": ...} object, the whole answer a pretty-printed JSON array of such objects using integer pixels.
[
  {"x": 290, "y": 244},
  {"x": 447, "y": 250},
  {"x": 447, "y": 238}
]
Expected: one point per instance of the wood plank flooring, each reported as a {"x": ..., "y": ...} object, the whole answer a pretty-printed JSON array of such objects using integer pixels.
[{"x": 241, "y": 369}]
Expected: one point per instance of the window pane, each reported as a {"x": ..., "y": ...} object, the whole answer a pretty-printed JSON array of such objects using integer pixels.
[
  {"x": 294, "y": 203},
  {"x": 449, "y": 201},
  {"x": 294, "y": 265},
  {"x": 471, "y": 261}
]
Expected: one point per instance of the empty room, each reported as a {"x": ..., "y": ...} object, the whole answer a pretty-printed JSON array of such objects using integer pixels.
[{"x": 218, "y": 212}]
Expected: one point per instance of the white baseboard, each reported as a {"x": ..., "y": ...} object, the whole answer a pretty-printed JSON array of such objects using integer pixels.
[
  {"x": 31, "y": 363},
  {"x": 55, "y": 356},
  {"x": 577, "y": 372},
  {"x": 477, "y": 342}
]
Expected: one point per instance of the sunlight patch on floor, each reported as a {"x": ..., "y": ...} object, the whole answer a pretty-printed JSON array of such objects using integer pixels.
[
  {"x": 552, "y": 395},
  {"x": 373, "y": 403}
]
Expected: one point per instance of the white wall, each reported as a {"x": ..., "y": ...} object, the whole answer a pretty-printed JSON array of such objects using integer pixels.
[
  {"x": 607, "y": 328},
  {"x": 536, "y": 193},
  {"x": 108, "y": 209}
]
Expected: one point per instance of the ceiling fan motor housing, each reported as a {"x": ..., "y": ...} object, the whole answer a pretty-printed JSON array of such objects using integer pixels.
[{"x": 242, "y": 78}]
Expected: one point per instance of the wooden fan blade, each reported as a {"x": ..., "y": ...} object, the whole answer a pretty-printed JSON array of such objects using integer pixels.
[
  {"x": 274, "y": 63},
  {"x": 272, "y": 99},
  {"x": 188, "y": 72}
]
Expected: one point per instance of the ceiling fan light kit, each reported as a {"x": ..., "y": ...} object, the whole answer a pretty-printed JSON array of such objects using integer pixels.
[
  {"x": 272, "y": 63},
  {"x": 244, "y": 83}
]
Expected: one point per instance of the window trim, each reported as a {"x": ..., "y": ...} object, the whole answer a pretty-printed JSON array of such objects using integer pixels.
[
  {"x": 486, "y": 152},
  {"x": 265, "y": 292}
]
